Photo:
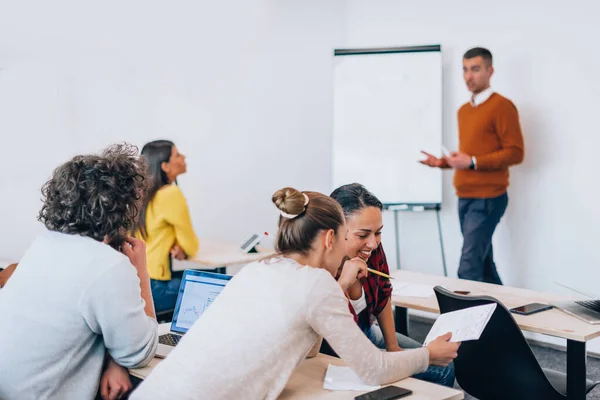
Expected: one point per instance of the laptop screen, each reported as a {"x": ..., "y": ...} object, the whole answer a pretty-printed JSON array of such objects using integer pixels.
[{"x": 197, "y": 291}]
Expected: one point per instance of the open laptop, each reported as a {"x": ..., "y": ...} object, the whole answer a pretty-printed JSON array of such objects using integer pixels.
[
  {"x": 586, "y": 310},
  {"x": 197, "y": 291}
]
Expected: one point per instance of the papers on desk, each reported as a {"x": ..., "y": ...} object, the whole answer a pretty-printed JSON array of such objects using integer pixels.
[
  {"x": 412, "y": 290},
  {"x": 343, "y": 378},
  {"x": 466, "y": 324}
]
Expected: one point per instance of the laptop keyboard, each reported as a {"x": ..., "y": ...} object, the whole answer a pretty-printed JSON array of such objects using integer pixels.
[
  {"x": 593, "y": 305},
  {"x": 169, "y": 339}
]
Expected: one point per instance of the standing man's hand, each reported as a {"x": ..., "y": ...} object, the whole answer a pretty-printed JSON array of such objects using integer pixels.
[
  {"x": 459, "y": 160},
  {"x": 432, "y": 161}
]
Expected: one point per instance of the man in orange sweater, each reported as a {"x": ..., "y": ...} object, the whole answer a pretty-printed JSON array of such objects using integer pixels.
[{"x": 490, "y": 140}]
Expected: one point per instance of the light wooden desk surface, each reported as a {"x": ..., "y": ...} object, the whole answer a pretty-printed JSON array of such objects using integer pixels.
[
  {"x": 552, "y": 322},
  {"x": 307, "y": 381},
  {"x": 215, "y": 254}
]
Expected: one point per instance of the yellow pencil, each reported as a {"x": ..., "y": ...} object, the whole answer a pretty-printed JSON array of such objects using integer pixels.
[{"x": 374, "y": 271}]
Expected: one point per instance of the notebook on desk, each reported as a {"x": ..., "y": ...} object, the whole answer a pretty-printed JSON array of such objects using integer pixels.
[
  {"x": 197, "y": 291},
  {"x": 586, "y": 310}
]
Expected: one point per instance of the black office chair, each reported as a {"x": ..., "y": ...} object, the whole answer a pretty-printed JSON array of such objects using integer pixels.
[{"x": 501, "y": 365}]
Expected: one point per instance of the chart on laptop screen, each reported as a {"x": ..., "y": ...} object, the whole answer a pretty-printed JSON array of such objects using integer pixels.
[{"x": 197, "y": 296}]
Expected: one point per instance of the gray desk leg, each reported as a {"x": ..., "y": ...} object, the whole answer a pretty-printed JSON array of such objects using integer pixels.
[
  {"x": 397, "y": 231},
  {"x": 576, "y": 370},
  {"x": 401, "y": 320},
  {"x": 439, "y": 224}
]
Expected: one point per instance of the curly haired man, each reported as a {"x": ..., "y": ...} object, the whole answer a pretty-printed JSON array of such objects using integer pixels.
[{"x": 81, "y": 290}]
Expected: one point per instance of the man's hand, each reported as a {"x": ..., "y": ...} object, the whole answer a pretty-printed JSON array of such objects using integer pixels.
[
  {"x": 177, "y": 252},
  {"x": 135, "y": 249},
  {"x": 432, "y": 161},
  {"x": 459, "y": 160},
  {"x": 115, "y": 381}
]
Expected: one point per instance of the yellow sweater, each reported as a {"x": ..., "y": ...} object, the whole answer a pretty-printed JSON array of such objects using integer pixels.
[{"x": 167, "y": 222}]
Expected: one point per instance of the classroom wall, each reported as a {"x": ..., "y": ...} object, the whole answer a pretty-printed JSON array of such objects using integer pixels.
[
  {"x": 546, "y": 62},
  {"x": 243, "y": 88}
]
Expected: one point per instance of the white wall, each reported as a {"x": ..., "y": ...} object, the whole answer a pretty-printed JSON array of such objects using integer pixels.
[
  {"x": 546, "y": 62},
  {"x": 243, "y": 88}
]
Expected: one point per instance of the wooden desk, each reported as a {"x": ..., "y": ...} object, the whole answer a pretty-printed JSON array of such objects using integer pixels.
[
  {"x": 307, "y": 381},
  {"x": 215, "y": 254},
  {"x": 552, "y": 322}
]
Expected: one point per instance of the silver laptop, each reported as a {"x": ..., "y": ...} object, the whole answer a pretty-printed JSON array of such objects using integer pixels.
[
  {"x": 197, "y": 291},
  {"x": 586, "y": 310}
]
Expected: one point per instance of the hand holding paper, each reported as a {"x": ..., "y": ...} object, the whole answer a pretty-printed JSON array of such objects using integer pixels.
[
  {"x": 467, "y": 324},
  {"x": 442, "y": 351}
]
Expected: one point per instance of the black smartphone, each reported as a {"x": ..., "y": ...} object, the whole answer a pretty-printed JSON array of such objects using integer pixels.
[
  {"x": 531, "y": 308},
  {"x": 385, "y": 393}
]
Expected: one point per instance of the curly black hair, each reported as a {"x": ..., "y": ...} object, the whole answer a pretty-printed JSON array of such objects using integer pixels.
[{"x": 97, "y": 196}]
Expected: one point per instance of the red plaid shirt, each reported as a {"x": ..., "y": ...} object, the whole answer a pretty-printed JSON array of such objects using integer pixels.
[{"x": 378, "y": 289}]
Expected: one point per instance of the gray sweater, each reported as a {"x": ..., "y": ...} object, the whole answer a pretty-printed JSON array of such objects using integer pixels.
[{"x": 70, "y": 300}]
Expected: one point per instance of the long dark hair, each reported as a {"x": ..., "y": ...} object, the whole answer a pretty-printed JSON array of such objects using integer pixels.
[
  {"x": 354, "y": 197},
  {"x": 155, "y": 153}
]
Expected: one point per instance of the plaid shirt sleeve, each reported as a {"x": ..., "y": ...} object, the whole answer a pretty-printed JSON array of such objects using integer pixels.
[{"x": 378, "y": 290}]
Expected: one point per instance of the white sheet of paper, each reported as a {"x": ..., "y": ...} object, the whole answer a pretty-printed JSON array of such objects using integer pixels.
[
  {"x": 445, "y": 151},
  {"x": 412, "y": 290},
  {"x": 466, "y": 324},
  {"x": 343, "y": 378}
]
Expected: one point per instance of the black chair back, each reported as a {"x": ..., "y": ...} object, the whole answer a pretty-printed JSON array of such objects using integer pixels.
[{"x": 500, "y": 365}]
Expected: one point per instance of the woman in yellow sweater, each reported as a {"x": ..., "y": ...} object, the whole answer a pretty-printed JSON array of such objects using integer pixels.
[{"x": 164, "y": 223}]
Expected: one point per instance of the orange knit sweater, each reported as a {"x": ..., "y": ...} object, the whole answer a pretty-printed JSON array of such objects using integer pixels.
[{"x": 490, "y": 132}]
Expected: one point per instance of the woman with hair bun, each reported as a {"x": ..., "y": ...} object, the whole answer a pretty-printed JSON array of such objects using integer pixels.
[{"x": 274, "y": 313}]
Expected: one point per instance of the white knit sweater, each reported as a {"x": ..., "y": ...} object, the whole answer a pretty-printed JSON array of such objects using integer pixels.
[{"x": 265, "y": 322}]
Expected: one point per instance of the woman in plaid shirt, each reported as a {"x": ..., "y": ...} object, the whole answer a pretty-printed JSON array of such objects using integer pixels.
[{"x": 370, "y": 297}]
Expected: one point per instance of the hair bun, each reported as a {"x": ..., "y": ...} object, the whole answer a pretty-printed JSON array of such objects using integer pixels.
[{"x": 289, "y": 200}]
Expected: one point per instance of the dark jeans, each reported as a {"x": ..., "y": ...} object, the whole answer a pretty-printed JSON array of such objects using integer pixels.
[
  {"x": 478, "y": 221},
  {"x": 164, "y": 294}
]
